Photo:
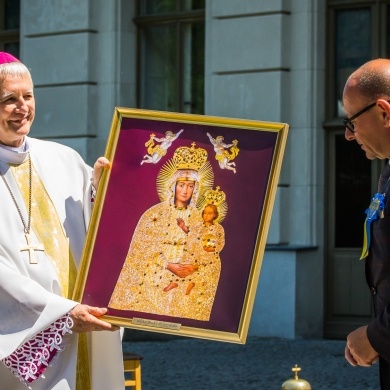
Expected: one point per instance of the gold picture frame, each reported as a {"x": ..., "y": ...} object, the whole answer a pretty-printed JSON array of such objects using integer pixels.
[{"x": 180, "y": 222}]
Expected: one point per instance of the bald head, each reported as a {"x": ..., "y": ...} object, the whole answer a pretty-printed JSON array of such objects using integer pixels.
[
  {"x": 371, "y": 81},
  {"x": 366, "y": 104}
]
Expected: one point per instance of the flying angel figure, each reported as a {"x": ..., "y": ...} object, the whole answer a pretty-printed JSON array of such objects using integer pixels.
[
  {"x": 223, "y": 154},
  {"x": 156, "y": 151}
]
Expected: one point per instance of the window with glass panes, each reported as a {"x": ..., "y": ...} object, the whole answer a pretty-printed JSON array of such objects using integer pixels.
[
  {"x": 171, "y": 55},
  {"x": 9, "y": 26},
  {"x": 357, "y": 32}
]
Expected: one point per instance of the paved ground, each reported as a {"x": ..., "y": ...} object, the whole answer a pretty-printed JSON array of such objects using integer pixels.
[{"x": 262, "y": 363}]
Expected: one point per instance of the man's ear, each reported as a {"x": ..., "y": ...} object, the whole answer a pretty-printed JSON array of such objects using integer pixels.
[{"x": 385, "y": 106}]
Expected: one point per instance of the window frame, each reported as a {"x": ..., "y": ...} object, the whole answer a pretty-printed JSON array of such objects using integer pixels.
[
  {"x": 379, "y": 42},
  {"x": 7, "y": 35},
  {"x": 179, "y": 18}
]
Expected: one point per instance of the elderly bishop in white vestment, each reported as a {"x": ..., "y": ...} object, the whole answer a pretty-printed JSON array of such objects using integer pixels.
[{"x": 37, "y": 346}]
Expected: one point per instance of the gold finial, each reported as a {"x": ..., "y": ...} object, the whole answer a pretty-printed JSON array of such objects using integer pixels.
[
  {"x": 295, "y": 370},
  {"x": 296, "y": 383}
]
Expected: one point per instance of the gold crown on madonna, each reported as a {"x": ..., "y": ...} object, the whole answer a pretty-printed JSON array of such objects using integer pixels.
[
  {"x": 215, "y": 197},
  {"x": 189, "y": 158}
]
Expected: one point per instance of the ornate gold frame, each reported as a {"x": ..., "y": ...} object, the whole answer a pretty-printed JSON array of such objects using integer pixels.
[{"x": 261, "y": 147}]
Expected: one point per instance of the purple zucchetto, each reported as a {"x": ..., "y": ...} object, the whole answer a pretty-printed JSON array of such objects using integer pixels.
[{"x": 6, "y": 58}]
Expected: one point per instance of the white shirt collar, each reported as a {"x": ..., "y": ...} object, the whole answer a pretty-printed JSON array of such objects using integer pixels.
[{"x": 15, "y": 155}]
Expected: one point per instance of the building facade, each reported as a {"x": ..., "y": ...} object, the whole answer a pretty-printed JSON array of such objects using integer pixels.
[{"x": 270, "y": 60}]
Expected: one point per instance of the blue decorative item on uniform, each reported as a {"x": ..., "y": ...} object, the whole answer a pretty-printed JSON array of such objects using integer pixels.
[{"x": 373, "y": 213}]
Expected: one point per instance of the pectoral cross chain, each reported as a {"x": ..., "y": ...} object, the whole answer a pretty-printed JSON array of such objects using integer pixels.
[{"x": 31, "y": 248}]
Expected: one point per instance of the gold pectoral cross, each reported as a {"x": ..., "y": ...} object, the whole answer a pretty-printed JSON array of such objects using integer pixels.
[{"x": 30, "y": 247}]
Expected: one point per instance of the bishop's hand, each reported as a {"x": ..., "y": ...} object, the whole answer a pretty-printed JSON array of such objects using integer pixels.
[
  {"x": 86, "y": 319},
  {"x": 98, "y": 167}
]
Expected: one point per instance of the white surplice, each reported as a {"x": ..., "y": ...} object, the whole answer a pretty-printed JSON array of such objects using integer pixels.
[{"x": 30, "y": 298}]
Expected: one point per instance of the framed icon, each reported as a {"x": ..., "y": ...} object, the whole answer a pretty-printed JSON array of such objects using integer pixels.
[{"x": 180, "y": 222}]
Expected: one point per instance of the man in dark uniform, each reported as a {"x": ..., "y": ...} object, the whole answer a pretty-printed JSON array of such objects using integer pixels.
[{"x": 366, "y": 100}]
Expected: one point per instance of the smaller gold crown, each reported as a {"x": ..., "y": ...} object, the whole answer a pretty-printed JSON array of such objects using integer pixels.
[
  {"x": 189, "y": 158},
  {"x": 215, "y": 197}
]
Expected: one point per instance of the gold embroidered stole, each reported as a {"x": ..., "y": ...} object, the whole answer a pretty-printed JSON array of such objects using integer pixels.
[{"x": 49, "y": 232}]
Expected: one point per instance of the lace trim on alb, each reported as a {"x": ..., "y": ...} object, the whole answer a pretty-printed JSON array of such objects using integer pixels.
[{"x": 30, "y": 360}]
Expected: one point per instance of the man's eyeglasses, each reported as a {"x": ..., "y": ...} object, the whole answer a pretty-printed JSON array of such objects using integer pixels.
[{"x": 348, "y": 122}]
